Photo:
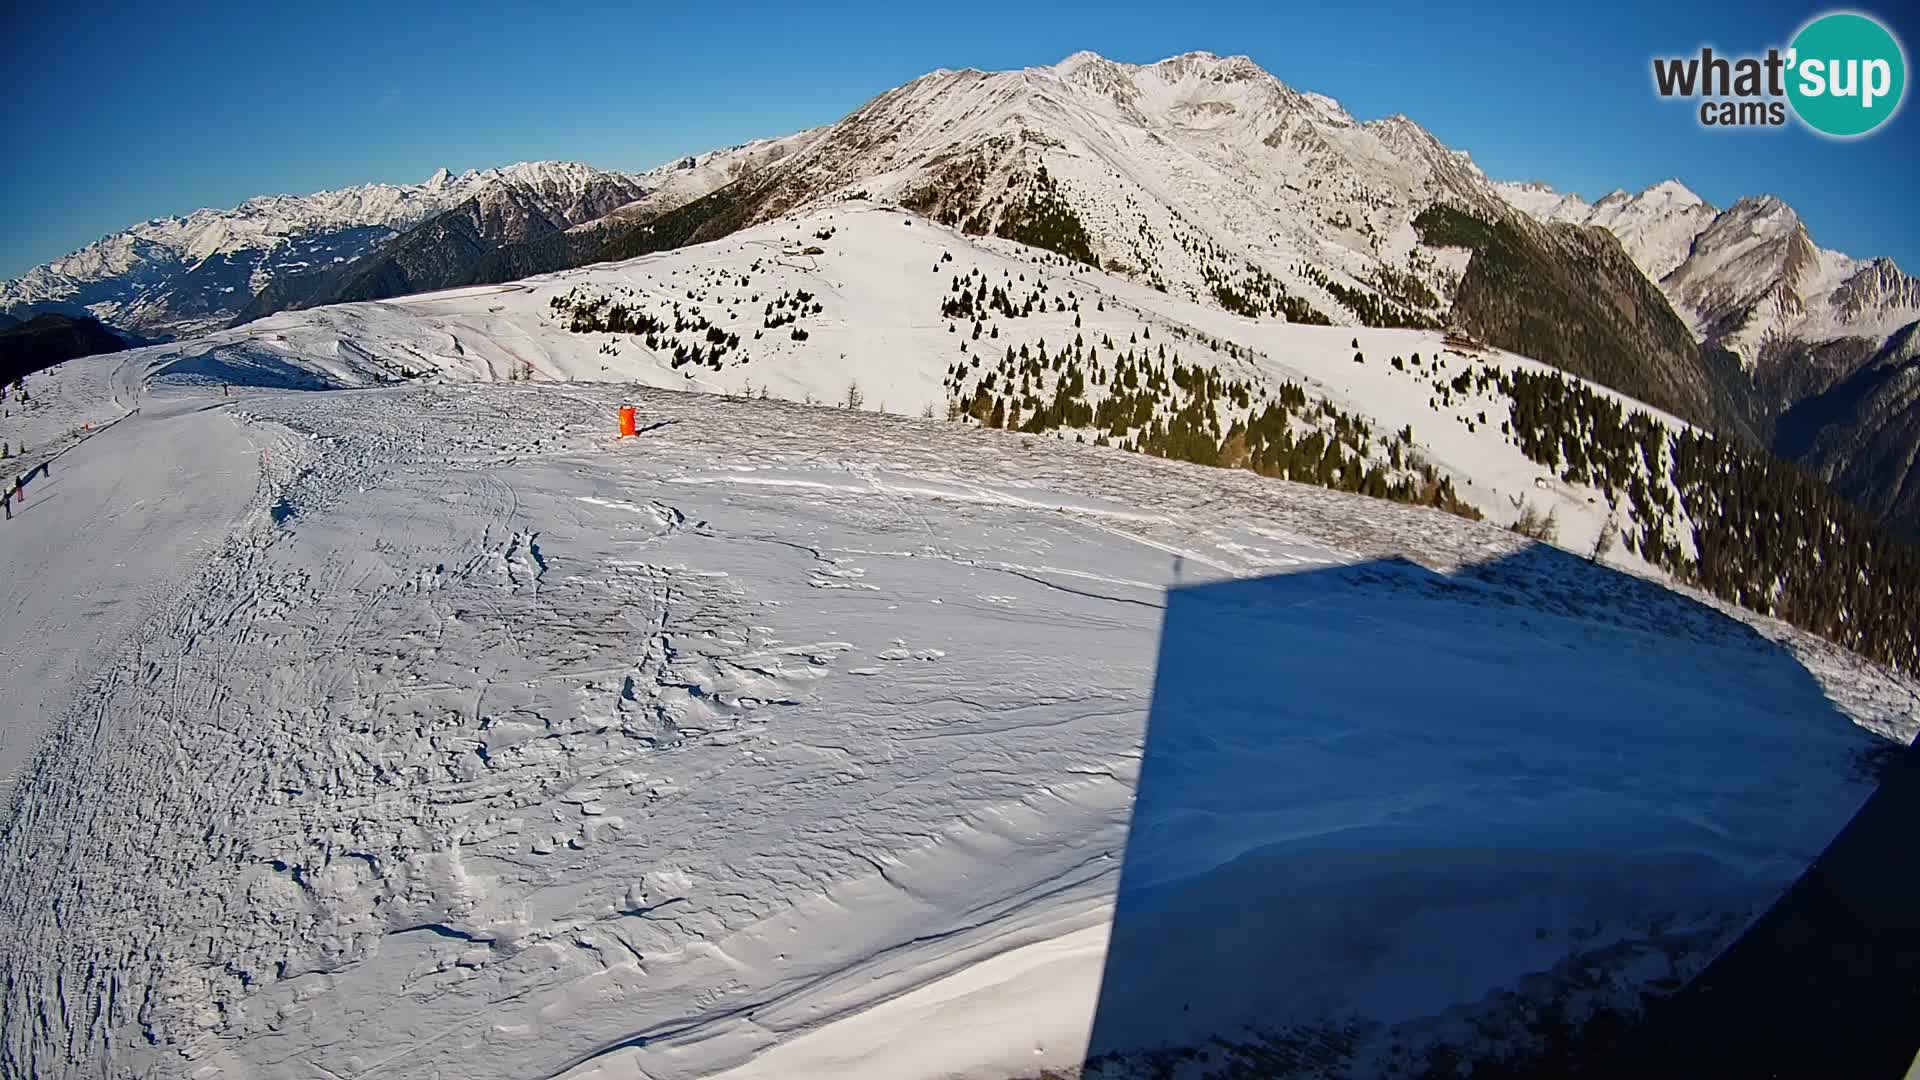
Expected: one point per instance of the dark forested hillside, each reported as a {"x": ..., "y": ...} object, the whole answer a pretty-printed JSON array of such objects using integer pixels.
[
  {"x": 46, "y": 340},
  {"x": 1764, "y": 534},
  {"x": 1570, "y": 296},
  {"x": 1862, "y": 435}
]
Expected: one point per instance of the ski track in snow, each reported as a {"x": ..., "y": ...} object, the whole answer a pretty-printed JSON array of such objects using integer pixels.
[
  {"x": 451, "y": 736},
  {"x": 175, "y": 474}
]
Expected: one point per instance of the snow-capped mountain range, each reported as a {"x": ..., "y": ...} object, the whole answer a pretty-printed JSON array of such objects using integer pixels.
[
  {"x": 180, "y": 275},
  {"x": 1197, "y": 173},
  {"x": 1746, "y": 277},
  {"x": 683, "y": 180},
  {"x": 1825, "y": 342},
  {"x": 1192, "y": 174},
  {"x": 1204, "y": 177},
  {"x": 1657, "y": 226}
]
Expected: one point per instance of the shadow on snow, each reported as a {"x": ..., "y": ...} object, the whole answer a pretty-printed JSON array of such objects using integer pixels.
[
  {"x": 1396, "y": 823},
  {"x": 239, "y": 365}
]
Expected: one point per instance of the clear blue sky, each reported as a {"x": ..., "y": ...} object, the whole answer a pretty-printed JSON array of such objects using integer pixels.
[{"x": 115, "y": 114}]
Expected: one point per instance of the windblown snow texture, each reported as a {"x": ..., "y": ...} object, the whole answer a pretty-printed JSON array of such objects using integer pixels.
[{"x": 449, "y": 735}]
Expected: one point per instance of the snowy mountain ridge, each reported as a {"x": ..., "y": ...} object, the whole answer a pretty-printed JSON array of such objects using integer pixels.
[
  {"x": 191, "y": 272},
  {"x": 1200, "y": 176},
  {"x": 1194, "y": 172},
  {"x": 265, "y": 220},
  {"x": 1208, "y": 179},
  {"x": 683, "y": 180},
  {"x": 1823, "y": 341},
  {"x": 1202, "y": 171},
  {"x": 800, "y": 307},
  {"x": 1197, "y": 172},
  {"x": 1218, "y": 126},
  {"x": 1744, "y": 277}
]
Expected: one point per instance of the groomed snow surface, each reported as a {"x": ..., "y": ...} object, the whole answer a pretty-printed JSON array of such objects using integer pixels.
[{"x": 428, "y": 730}]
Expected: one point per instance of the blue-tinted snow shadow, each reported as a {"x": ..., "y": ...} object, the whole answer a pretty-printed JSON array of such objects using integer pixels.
[
  {"x": 1825, "y": 984},
  {"x": 1389, "y": 819},
  {"x": 239, "y": 366}
]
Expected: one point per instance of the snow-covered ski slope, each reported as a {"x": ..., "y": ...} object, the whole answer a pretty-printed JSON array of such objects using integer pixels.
[
  {"x": 74, "y": 586},
  {"x": 875, "y": 280},
  {"x": 451, "y": 736}
]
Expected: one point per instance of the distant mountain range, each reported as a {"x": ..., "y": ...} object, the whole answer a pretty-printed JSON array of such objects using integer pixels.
[
  {"x": 180, "y": 276},
  {"x": 1200, "y": 175},
  {"x": 1821, "y": 344},
  {"x": 185, "y": 275}
]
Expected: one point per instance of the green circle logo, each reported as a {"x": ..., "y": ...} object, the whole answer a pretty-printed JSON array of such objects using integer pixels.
[{"x": 1847, "y": 74}]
